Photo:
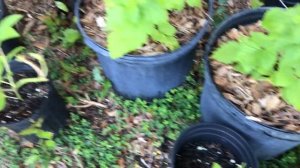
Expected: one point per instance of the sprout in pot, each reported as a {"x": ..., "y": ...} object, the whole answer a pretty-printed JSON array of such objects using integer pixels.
[
  {"x": 154, "y": 40},
  {"x": 21, "y": 92},
  {"x": 257, "y": 68},
  {"x": 147, "y": 27}
]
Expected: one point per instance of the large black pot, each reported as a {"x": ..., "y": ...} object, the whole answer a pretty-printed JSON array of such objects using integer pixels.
[
  {"x": 267, "y": 142},
  {"x": 7, "y": 45},
  {"x": 52, "y": 109},
  {"x": 288, "y": 3},
  {"x": 144, "y": 76},
  {"x": 228, "y": 138}
]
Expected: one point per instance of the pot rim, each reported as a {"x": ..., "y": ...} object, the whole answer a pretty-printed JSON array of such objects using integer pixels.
[
  {"x": 217, "y": 131},
  {"x": 139, "y": 58}
]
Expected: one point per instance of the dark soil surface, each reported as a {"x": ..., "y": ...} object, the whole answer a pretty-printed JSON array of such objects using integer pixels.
[
  {"x": 33, "y": 95},
  {"x": 187, "y": 23},
  {"x": 258, "y": 99},
  {"x": 203, "y": 155}
]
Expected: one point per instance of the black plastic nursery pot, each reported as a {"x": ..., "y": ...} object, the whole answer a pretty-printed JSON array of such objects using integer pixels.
[
  {"x": 288, "y": 3},
  {"x": 267, "y": 142},
  {"x": 146, "y": 77},
  {"x": 52, "y": 109},
  {"x": 218, "y": 134}
]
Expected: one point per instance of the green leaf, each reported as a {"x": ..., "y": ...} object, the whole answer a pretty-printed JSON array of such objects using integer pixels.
[
  {"x": 29, "y": 131},
  {"x": 283, "y": 77},
  {"x": 216, "y": 165},
  {"x": 175, "y": 5},
  {"x": 116, "y": 39},
  {"x": 97, "y": 75},
  {"x": 265, "y": 68},
  {"x": 25, "y": 81},
  {"x": 292, "y": 94},
  {"x": 2, "y": 100},
  {"x": 8, "y": 33},
  {"x": 225, "y": 53},
  {"x": 61, "y": 6},
  {"x": 270, "y": 21},
  {"x": 167, "y": 29},
  {"x": 156, "y": 15},
  {"x": 50, "y": 144},
  {"x": 14, "y": 52},
  {"x": 44, "y": 134},
  {"x": 31, "y": 160},
  {"x": 10, "y": 21},
  {"x": 256, "y": 3},
  {"x": 71, "y": 36},
  {"x": 194, "y": 3}
]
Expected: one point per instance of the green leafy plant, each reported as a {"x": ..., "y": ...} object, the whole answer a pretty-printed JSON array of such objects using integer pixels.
[
  {"x": 272, "y": 57},
  {"x": 59, "y": 30},
  {"x": 70, "y": 37},
  {"x": 8, "y": 32},
  {"x": 136, "y": 21},
  {"x": 46, "y": 144}
]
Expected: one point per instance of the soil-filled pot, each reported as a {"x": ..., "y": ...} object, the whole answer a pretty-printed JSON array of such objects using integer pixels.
[
  {"x": 288, "y": 3},
  {"x": 52, "y": 109},
  {"x": 7, "y": 45},
  {"x": 219, "y": 140},
  {"x": 266, "y": 141},
  {"x": 146, "y": 77}
]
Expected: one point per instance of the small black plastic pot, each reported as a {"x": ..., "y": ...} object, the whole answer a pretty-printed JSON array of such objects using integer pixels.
[
  {"x": 145, "y": 77},
  {"x": 52, "y": 109},
  {"x": 288, "y": 3},
  {"x": 218, "y": 134},
  {"x": 267, "y": 142},
  {"x": 7, "y": 45}
]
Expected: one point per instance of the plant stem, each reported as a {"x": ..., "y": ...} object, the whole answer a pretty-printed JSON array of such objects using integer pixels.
[
  {"x": 5, "y": 82},
  {"x": 9, "y": 75},
  {"x": 12, "y": 97}
]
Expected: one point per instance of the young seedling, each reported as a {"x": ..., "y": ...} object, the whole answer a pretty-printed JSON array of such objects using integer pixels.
[
  {"x": 130, "y": 24},
  {"x": 7, "y": 75},
  {"x": 272, "y": 56}
]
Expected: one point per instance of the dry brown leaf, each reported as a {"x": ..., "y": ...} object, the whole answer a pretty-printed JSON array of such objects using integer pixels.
[
  {"x": 234, "y": 34},
  {"x": 121, "y": 163},
  {"x": 28, "y": 27},
  {"x": 256, "y": 109},
  {"x": 232, "y": 98},
  {"x": 112, "y": 113},
  {"x": 27, "y": 144},
  {"x": 270, "y": 102},
  {"x": 41, "y": 44},
  {"x": 221, "y": 81},
  {"x": 291, "y": 127}
]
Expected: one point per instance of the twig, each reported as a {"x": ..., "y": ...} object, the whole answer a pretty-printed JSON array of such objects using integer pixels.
[
  {"x": 93, "y": 103},
  {"x": 80, "y": 106},
  {"x": 207, "y": 15},
  {"x": 144, "y": 163}
]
